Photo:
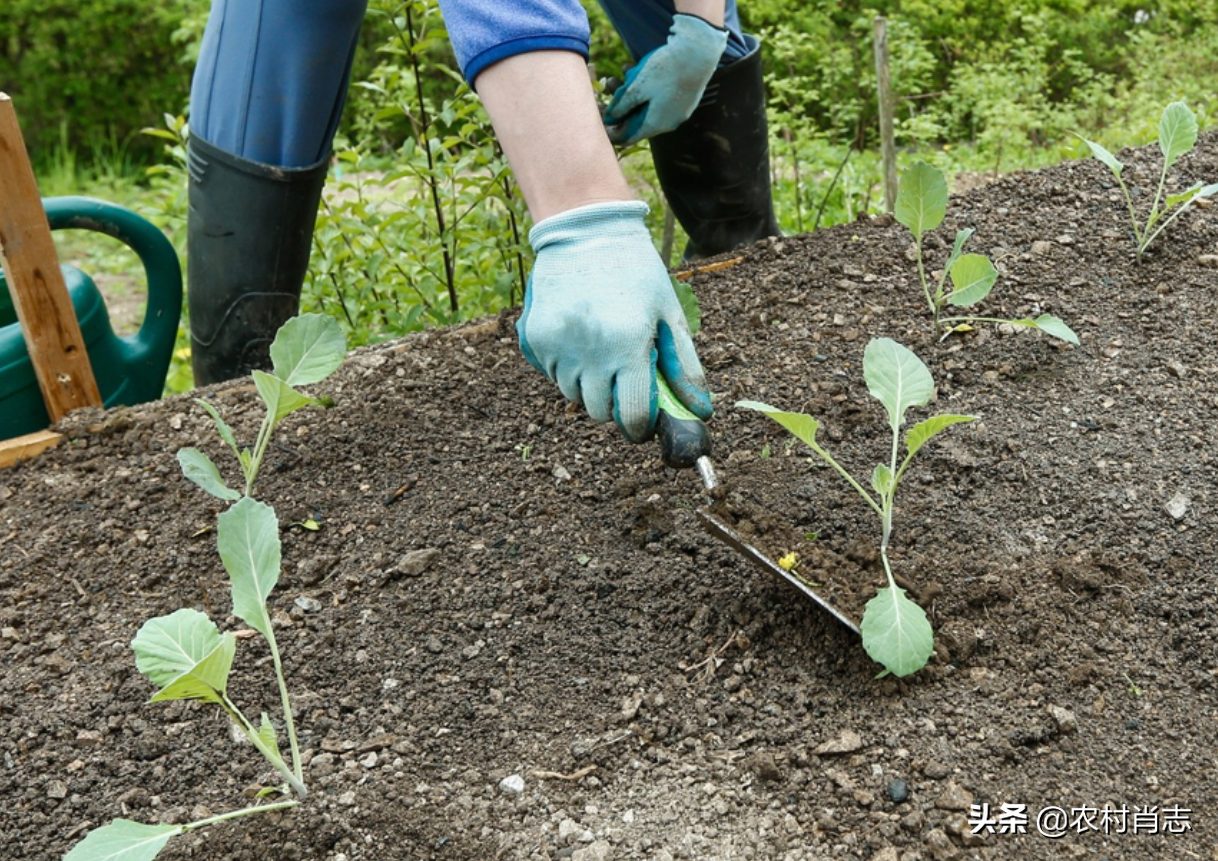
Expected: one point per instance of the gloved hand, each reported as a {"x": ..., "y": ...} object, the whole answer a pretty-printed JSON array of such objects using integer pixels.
[
  {"x": 600, "y": 314},
  {"x": 664, "y": 87}
]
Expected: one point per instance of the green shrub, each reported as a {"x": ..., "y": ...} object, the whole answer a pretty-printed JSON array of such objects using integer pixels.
[
  {"x": 986, "y": 71},
  {"x": 433, "y": 233},
  {"x": 99, "y": 69}
]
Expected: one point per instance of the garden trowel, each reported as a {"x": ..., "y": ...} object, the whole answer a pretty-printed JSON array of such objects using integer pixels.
[{"x": 685, "y": 443}]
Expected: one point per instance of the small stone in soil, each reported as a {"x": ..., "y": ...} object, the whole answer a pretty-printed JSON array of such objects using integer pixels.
[
  {"x": 766, "y": 768},
  {"x": 936, "y": 770},
  {"x": 1065, "y": 719},
  {"x": 898, "y": 791},
  {"x": 954, "y": 797},
  {"x": 598, "y": 851},
  {"x": 512, "y": 785},
  {"x": 568, "y": 831},
  {"x": 848, "y": 742},
  {"x": 1178, "y": 505},
  {"x": 416, "y": 562},
  {"x": 57, "y": 789}
]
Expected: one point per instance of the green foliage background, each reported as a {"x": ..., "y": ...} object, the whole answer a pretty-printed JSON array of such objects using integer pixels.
[
  {"x": 422, "y": 224},
  {"x": 976, "y": 71},
  {"x": 88, "y": 74},
  {"x": 92, "y": 73}
]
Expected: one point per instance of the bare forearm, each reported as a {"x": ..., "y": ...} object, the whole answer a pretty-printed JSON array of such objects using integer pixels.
[
  {"x": 707, "y": 10},
  {"x": 545, "y": 116}
]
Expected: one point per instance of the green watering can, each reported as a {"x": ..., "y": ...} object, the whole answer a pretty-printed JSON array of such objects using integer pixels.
[{"x": 129, "y": 370}]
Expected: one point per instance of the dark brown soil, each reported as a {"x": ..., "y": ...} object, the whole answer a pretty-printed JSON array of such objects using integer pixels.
[{"x": 501, "y": 588}]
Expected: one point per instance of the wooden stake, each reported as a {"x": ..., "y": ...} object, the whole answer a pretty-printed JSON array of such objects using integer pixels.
[
  {"x": 35, "y": 281},
  {"x": 888, "y": 147}
]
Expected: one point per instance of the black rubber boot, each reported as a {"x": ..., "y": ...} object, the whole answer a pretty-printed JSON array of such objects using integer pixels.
[
  {"x": 715, "y": 167},
  {"x": 249, "y": 234}
]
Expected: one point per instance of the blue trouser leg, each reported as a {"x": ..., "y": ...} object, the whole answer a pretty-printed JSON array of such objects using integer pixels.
[
  {"x": 268, "y": 91},
  {"x": 272, "y": 77},
  {"x": 643, "y": 26}
]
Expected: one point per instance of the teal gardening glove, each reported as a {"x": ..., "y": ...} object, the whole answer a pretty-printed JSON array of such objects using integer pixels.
[
  {"x": 600, "y": 314},
  {"x": 665, "y": 86}
]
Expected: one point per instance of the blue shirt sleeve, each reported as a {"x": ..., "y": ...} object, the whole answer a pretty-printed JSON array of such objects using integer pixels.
[{"x": 483, "y": 32}]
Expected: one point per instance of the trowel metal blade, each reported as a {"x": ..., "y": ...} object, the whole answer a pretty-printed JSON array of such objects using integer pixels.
[{"x": 731, "y": 538}]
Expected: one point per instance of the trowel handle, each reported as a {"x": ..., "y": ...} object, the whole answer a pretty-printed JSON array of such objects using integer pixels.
[{"x": 683, "y": 436}]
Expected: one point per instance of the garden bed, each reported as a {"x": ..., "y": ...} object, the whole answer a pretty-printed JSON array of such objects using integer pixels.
[{"x": 500, "y": 588}]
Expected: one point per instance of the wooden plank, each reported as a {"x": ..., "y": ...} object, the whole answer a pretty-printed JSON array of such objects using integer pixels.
[
  {"x": 35, "y": 281},
  {"x": 24, "y": 447}
]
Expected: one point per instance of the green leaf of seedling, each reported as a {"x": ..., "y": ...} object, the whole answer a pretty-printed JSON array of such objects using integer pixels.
[
  {"x": 896, "y": 378},
  {"x": 881, "y": 479},
  {"x": 1105, "y": 156},
  {"x": 1187, "y": 196},
  {"x": 123, "y": 840},
  {"x": 973, "y": 277},
  {"x": 199, "y": 468},
  {"x": 802, "y": 425},
  {"x": 1050, "y": 325},
  {"x": 205, "y": 681},
  {"x": 689, "y": 305},
  {"x": 896, "y": 632},
  {"x": 958, "y": 247},
  {"x": 248, "y": 538},
  {"x": 266, "y": 732},
  {"x": 167, "y": 646},
  {"x": 921, "y": 198},
  {"x": 184, "y": 655},
  {"x": 280, "y": 398},
  {"x": 226, "y": 433},
  {"x": 925, "y": 430},
  {"x": 307, "y": 349},
  {"x": 1180, "y": 197},
  {"x": 1177, "y": 132}
]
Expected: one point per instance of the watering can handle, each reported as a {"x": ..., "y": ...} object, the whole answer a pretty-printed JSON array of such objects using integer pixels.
[{"x": 160, "y": 260}]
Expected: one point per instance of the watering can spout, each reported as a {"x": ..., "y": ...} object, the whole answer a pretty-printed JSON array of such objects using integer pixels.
[{"x": 129, "y": 370}]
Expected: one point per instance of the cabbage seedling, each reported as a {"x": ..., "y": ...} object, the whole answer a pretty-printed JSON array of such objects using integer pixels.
[
  {"x": 921, "y": 206},
  {"x": 896, "y": 632},
  {"x": 187, "y": 658},
  {"x": 306, "y": 349},
  {"x": 1177, "y": 135}
]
